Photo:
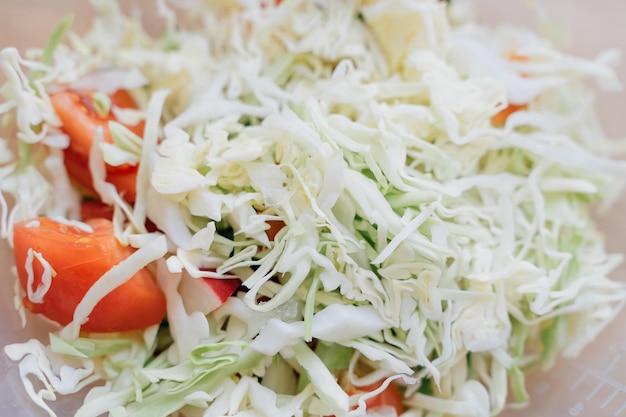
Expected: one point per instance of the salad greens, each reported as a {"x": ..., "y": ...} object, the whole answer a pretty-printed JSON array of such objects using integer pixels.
[{"x": 424, "y": 244}]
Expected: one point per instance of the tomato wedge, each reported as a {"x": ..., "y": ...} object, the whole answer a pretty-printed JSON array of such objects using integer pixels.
[
  {"x": 79, "y": 258},
  {"x": 80, "y": 121},
  {"x": 389, "y": 397},
  {"x": 95, "y": 210},
  {"x": 500, "y": 118},
  {"x": 275, "y": 227}
]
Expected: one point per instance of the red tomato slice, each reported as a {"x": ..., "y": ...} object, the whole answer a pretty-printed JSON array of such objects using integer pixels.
[
  {"x": 389, "y": 397},
  {"x": 500, "y": 118},
  {"x": 275, "y": 227},
  {"x": 271, "y": 2},
  {"x": 81, "y": 121},
  {"x": 95, "y": 210},
  {"x": 79, "y": 258}
]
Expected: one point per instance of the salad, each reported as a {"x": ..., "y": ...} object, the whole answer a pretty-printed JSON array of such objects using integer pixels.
[{"x": 303, "y": 208}]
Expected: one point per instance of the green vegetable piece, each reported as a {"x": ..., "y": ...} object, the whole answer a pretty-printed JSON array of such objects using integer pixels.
[{"x": 53, "y": 42}]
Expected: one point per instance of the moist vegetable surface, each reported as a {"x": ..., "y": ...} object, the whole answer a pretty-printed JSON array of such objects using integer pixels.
[{"x": 303, "y": 208}]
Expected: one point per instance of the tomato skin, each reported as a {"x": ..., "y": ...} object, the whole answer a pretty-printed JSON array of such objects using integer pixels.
[
  {"x": 79, "y": 258},
  {"x": 500, "y": 118},
  {"x": 275, "y": 227},
  {"x": 390, "y": 397},
  {"x": 273, "y": 3},
  {"x": 95, "y": 210},
  {"x": 80, "y": 122}
]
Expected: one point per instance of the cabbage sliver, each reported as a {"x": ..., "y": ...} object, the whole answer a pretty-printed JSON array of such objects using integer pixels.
[{"x": 405, "y": 196}]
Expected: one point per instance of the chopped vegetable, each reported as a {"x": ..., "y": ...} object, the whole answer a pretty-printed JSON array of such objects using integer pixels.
[
  {"x": 81, "y": 117},
  {"x": 58, "y": 262},
  {"x": 500, "y": 118},
  {"x": 290, "y": 200},
  {"x": 388, "y": 398},
  {"x": 206, "y": 294},
  {"x": 55, "y": 39},
  {"x": 91, "y": 209}
]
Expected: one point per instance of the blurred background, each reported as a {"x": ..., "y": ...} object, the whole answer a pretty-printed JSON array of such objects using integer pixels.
[{"x": 588, "y": 27}]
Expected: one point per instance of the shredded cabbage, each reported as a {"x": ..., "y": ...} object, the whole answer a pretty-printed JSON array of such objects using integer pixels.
[{"x": 424, "y": 244}]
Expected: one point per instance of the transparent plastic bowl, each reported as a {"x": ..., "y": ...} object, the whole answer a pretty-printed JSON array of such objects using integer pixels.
[{"x": 592, "y": 385}]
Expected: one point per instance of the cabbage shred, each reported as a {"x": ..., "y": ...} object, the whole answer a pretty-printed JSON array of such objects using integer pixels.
[{"x": 424, "y": 245}]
